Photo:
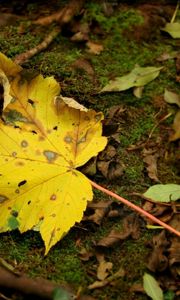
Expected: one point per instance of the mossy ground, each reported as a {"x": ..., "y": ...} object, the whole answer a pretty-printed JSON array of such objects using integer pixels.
[{"x": 121, "y": 53}]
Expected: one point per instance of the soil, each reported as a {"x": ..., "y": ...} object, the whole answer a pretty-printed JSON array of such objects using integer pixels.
[{"x": 129, "y": 33}]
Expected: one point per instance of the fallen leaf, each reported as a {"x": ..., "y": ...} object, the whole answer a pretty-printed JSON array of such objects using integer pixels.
[
  {"x": 137, "y": 91},
  {"x": 157, "y": 260},
  {"x": 115, "y": 276},
  {"x": 101, "y": 209},
  {"x": 173, "y": 29},
  {"x": 45, "y": 189},
  {"x": 139, "y": 76},
  {"x": 174, "y": 257},
  {"x": 84, "y": 64},
  {"x": 131, "y": 227},
  {"x": 152, "y": 287},
  {"x": 109, "y": 165},
  {"x": 94, "y": 48},
  {"x": 176, "y": 128},
  {"x": 85, "y": 255},
  {"x": 163, "y": 192},
  {"x": 104, "y": 268},
  {"x": 151, "y": 160},
  {"x": 8, "y": 19},
  {"x": 171, "y": 97},
  {"x": 166, "y": 56}
]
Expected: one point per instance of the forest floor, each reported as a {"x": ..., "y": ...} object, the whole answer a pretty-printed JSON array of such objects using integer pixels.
[{"x": 114, "y": 38}]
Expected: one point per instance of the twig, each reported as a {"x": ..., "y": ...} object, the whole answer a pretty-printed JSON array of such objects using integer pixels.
[
  {"x": 64, "y": 17},
  {"x": 135, "y": 207},
  {"x": 36, "y": 287},
  {"x": 175, "y": 13}
]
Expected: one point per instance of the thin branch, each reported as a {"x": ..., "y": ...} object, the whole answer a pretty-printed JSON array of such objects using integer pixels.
[
  {"x": 135, "y": 207},
  {"x": 62, "y": 17},
  {"x": 36, "y": 287}
]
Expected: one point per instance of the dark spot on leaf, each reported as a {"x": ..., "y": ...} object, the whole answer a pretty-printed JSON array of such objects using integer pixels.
[
  {"x": 9, "y": 208},
  {"x": 68, "y": 139},
  {"x": 58, "y": 229},
  {"x": 53, "y": 215},
  {"x": 50, "y": 155},
  {"x": 67, "y": 203},
  {"x": 14, "y": 154},
  {"x": 86, "y": 118},
  {"x": 31, "y": 101},
  {"x": 83, "y": 198},
  {"x": 14, "y": 213},
  {"x": 53, "y": 197},
  {"x": 17, "y": 191},
  {"x": 22, "y": 183},
  {"x": 3, "y": 198},
  {"x": 24, "y": 144},
  {"x": 16, "y": 126},
  {"x": 29, "y": 202},
  {"x": 55, "y": 128},
  {"x": 8, "y": 182},
  {"x": 41, "y": 218},
  {"x": 19, "y": 163},
  {"x": 33, "y": 131}
]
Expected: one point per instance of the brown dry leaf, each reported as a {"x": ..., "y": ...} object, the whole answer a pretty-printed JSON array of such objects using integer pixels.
[
  {"x": 157, "y": 260},
  {"x": 85, "y": 255},
  {"x": 131, "y": 227},
  {"x": 94, "y": 48},
  {"x": 70, "y": 102},
  {"x": 151, "y": 160},
  {"x": 84, "y": 64},
  {"x": 101, "y": 210},
  {"x": 110, "y": 169},
  {"x": 176, "y": 127},
  {"x": 8, "y": 19},
  {"x": 109, "y": 165},
  {"x": 174, "y": 257},
  {"x": 166, "y": 56},
  {"x": 104, "y": 267},
  {"x": 110, "y": 279}
]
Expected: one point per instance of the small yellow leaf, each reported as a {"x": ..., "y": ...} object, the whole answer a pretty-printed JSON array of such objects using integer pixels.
[{"x": 39, "y": 184}]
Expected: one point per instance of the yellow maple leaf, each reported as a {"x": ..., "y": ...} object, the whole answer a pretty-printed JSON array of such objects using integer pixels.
[{"x": 39, "y": 153}]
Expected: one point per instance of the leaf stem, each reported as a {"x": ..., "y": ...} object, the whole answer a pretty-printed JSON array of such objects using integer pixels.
[{"x": 135, "y": 207}]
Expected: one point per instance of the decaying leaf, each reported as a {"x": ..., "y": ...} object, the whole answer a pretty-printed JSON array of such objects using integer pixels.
[
  {"x": 152, "y": 287},
  {"x": 173, "y": 29},
  {"x": 94, "y": 48},
  {"x": 139, "y": 76},
  {"x": 43, "y": 149},
  {"x": 176, "y": 128},
  {"x": 150, "y": 159},
  {"x": 104, "y": 267},
  {"x": 163, "y": 192},
  {"x": 101, "y": 209},
  {"x": 171, "y": 97},
  {"x": 157, "y": 260},
  {"x": 131, "y": 227}
]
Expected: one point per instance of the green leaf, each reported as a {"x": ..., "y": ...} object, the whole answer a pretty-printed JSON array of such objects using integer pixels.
[
  {"x": 151, "y": 287},
  {"x": 171, "y": 97},
  {"x": 139, "y": 76},
  {"x": 61, "y": 294},
  {"x": 173, "y": 29},
  {"x": 163, "y": 192}
]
